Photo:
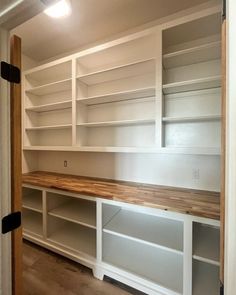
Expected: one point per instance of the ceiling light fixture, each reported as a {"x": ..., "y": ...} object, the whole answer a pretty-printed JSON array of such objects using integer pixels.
[{"x": 61, "y": 9}]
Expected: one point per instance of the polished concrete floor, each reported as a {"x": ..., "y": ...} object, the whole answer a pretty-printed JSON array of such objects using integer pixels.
[{"x": 46, "y": 273}]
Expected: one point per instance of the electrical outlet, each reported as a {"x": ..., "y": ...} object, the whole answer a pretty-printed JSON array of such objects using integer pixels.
[
  {"x": 65, "y": 163},
  {"x": 196, "y": 173}
]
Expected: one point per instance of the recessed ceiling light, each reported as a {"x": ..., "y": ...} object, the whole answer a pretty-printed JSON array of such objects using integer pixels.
[{"x": 60, "y": 9}]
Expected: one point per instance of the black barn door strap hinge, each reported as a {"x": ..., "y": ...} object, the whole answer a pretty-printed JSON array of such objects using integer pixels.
[
  {"x": 221, "y": 289},
  {"x": 224, "y": 10},
  {"x": 11, "y": 222},
  {"x": 10, "y": 73}
]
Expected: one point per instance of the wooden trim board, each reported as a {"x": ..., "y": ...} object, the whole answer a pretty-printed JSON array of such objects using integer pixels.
[{"x": 15, "y": 99}]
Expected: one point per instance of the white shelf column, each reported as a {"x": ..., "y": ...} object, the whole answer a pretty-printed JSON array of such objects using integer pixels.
[
  {"x": 188, "y": 246},
  {"x": 98, "y": 270},
  {"x": 159, "y": 96},
  {"x": 74, "y": 111}
]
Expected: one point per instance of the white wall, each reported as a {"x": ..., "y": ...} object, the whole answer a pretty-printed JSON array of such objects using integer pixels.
[
  {"x": 173, "y": 170},
  {"x": 27, "y": 62}
]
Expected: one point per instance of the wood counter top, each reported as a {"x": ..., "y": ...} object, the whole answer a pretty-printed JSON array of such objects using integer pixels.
[{"x": 188, "y": 201}]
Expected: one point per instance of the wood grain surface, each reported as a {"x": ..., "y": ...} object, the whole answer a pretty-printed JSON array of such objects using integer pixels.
[
  {"x": 16, "y": 198},
  {"x": 188, "y": 201}
]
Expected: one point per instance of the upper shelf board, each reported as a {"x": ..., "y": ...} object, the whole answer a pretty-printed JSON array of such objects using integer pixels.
[
  {"x": 197, "y": 54},
  {"x": 51, "y": 107},
  {"x": 65, "y": 126},
  {"x": 191, "y": 85},
  {"x": 119, "y": 96},
  {"x": 145, "y": 150},
  {"x": 120, "y": 72},
  {"x": 54, "y": 87},
  {"x": 191, "y": 119},
  {"x": 118, "y": 123}
]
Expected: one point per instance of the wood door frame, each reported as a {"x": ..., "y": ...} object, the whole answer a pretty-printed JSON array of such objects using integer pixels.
[
  {"x": 16, "y": 166},
  {"x": 5, "y": 169}
]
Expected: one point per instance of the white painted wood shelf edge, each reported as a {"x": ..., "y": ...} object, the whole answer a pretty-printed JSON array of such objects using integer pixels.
[
  {"x": 119, "y": 96},
  {"x": 190, "y": 85},
  {"x": 192, "y": 55},
  {"x": 51, "y": 127},
  {"x": 118, "y": 123},
  {"x": 148, "y": 150},
  {"x": 53, "y": 87},
  {"x": 192, "y": 119},
  {"x": 50, "y": 107},
  {"x": 99, "y": 76}
]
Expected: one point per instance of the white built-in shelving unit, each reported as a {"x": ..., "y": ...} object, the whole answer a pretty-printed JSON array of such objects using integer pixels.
[
  {"x": 192, "y": 84},
  {"x": 155, "y": 251},
  {"x": 157, "y": 91}
]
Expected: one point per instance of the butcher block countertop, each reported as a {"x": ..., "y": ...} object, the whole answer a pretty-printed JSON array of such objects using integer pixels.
[{"x": 188, "y": 201}]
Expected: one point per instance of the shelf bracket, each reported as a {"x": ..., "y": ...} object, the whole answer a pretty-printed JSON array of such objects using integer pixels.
[
  {"x": 11, "y": 222},
  {"x": 10, "y": 73}
]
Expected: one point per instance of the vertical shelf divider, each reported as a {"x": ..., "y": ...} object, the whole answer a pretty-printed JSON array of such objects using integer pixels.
[
  {"x": 74, "y": 111},
  {"x": 188, "y": 251},
  {"x": 44, "y": 213},
  {"x": 97, "y": 272},
  {"x": 158, "y": 98}
]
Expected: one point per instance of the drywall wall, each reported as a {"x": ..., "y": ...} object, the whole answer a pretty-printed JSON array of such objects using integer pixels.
[
  {"x": 199, "y": 172},
  {"x": 27, "y": 62}
]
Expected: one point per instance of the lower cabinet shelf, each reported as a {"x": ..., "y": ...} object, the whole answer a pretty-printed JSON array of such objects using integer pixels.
[
  {"x": 152, "y": 230},
  {"x": 156, "y": 265},
  {"x": 75, "y": 237},
  {"x": 32, "y": 222},
  {"x": 206, "y": 243},
  {"x": 205, "y": 279}
]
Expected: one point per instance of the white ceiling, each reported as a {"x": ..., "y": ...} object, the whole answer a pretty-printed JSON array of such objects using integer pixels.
[{"x": 91, "y": 21}]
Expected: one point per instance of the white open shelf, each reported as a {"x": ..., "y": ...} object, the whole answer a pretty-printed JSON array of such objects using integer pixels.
[
  {"x": 147, "y": 150},
  {"x": 51, "y": 107},
  {"x": 33, "y": 201},
  {"x": 147, "y": 229},
  {"x": 32, "y": 222},
  {"x": 64, "y": 126},
  {"x": 118, "y": 123},
  {"x": 42, "y": 75},
  {"x": 191, "y": 119},
  {"x": 193, "y": 55},
  {"x": 140, "y": 67},
  {"x": 206, "y": 279},
  {"x": 75, "y": 237},
  {"x": 49, "y": 88},
  {"x": 206, "y": 243},
  {"x": 190, "y": 85},
  {"x": 119, "y": 96},
  {"x": 80, "y": 212},
  {"x": 154, "y": 264}
]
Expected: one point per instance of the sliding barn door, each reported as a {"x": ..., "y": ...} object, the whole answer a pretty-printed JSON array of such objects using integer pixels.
[
  {"x": 223, "y": 147},
  {"x": 15, "y": 114}
]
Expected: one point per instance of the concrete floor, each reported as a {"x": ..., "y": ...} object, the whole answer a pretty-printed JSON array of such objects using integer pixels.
[{"x": 46, "y": 273}]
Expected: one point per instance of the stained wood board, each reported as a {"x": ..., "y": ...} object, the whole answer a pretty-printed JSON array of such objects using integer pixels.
[{"x": 182, "y": 200}]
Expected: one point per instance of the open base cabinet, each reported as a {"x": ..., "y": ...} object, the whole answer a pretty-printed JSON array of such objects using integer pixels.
[{"x": 155, "y": 251}]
